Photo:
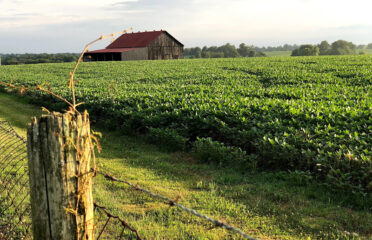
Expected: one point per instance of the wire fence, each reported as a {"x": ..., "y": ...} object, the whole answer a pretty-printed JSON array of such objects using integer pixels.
[{"x": 15, "y": 206}]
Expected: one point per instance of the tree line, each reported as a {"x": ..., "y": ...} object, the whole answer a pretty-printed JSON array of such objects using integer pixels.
[
  {"x": 340, "y": 47},
  {"x": 31, "y": 58},
  {"x": 227, "y": 50}
]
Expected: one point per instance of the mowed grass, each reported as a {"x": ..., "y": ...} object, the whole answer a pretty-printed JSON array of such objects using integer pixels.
[{"x": 272, "y": 205}]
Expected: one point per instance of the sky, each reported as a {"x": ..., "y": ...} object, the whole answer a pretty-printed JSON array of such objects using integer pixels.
[{"x": 52, "y": 26}]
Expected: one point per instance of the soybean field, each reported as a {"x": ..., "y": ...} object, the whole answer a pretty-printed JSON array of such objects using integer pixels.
[{"x": 310, "y": 114}]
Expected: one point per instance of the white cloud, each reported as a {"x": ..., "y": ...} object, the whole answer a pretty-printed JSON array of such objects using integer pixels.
[
  {"x": 193, "y": 22},
  {"x": 274, "y": 21},
  {"x": 24, "y": 13}
]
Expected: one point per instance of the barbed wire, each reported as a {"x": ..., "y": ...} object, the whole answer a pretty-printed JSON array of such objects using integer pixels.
[
  {"x": 122, "y": 222},
  {"x": 175, "y": 203}
]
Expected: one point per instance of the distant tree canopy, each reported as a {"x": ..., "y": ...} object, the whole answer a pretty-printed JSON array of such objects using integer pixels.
[
  {"x": 306, "y": 50},
  {"x": 228, "y": 50},
  {"x": 369, "y": 46},
  {"x": 246, "y": 51},
  {"x": 285, "y": 47},
  {"x": 324, "y": 47},
  {"x": 340, "y": 47},
  {"x": 29, "y": 58}
]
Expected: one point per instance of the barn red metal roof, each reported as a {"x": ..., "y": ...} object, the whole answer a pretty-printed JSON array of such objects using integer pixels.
[
  {"x": 137, "y": 40},
  {"x": 113, "y": 50}
]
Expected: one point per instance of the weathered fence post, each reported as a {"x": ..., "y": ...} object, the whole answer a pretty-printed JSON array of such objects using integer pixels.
[{"x": 59, "y": 151}]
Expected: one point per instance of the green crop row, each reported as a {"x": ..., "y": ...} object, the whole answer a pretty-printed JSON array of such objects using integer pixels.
[{"x": 302, "y": 113}]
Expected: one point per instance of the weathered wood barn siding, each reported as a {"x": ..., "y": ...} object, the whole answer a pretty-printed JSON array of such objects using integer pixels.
[
  {"x": 164, "y": 47},
  {"x": 135, "y": 54}
]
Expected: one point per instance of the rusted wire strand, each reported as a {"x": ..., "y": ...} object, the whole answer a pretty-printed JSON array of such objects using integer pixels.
[
  {"x": 123, "y": 222},
  {"x": 103, "y": 229},
  {"x": 171, "y": 202}
]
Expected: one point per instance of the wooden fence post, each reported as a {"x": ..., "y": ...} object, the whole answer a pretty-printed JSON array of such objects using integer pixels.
[{"x": 59, "y": 152}]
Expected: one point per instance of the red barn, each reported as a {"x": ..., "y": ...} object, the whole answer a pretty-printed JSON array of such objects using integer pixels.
[{"x": 139, "y": 46}]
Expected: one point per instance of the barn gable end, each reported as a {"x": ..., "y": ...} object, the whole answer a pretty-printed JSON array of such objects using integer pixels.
[{"x": 165, "y": 47}]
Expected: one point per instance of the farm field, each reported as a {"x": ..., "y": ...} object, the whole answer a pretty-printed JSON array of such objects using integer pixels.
[
  {"x": 311, "y": 114},
  {"x": 268, "y": 205},
  {"x": 288, "y": 53},
  {"x": 368, "y": 51},
  {"x": 278, "y": 53}
]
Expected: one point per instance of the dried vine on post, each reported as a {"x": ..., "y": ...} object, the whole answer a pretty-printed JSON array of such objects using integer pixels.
[
  {"x": 61, "y": 163},
  {"x": 72, "y": 74}
]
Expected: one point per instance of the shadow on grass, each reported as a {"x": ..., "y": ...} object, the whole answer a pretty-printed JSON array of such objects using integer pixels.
[
  {"x": 12, "y": 108},
  {"x": 297, "y": 204}
]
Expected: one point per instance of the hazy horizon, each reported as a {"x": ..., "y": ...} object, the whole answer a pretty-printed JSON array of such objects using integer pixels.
[{"x": 40, "y": 26}]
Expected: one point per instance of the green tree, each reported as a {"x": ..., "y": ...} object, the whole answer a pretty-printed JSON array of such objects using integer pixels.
[
  {"x": 342, "y": 47},
  {"x": 204, "y": 52},
  {"x": 324, "y": 48},
  {"x": 229, "y": 50},
  {"x": 306, "y": 50},
  {"x": 295, "y": 52},
  {"x": 243, "y": 50},
  {"x": 196, "y": 52},
  {"x": 260, "y": 54},
  {"x": 251, "y": 53},
  {"x": 217, "y": 55},
  {"x": 369, "y": 46}
]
